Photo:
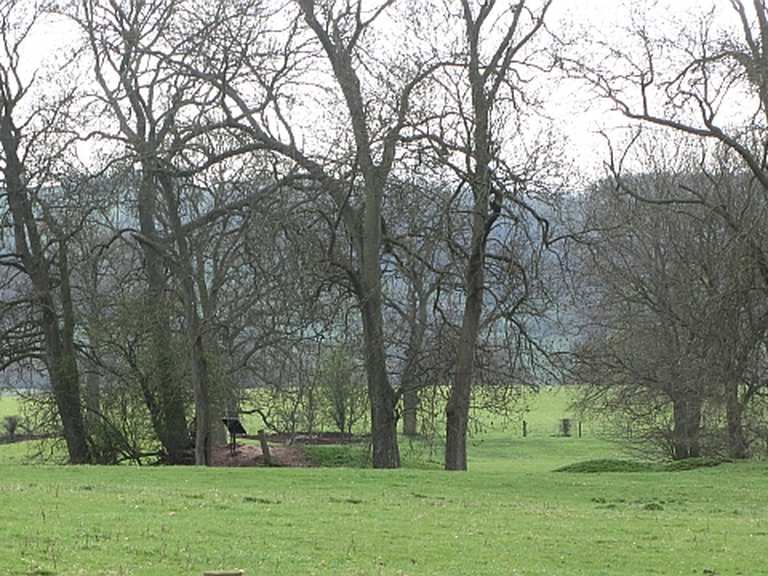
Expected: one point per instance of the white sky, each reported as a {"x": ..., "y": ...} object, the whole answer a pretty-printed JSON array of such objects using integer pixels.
[
  {"x": 607, "y": 20},
  {"x": 582, "y": 117}
]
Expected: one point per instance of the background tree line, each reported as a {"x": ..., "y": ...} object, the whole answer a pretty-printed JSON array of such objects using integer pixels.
[{"x": 310, "y": 197}]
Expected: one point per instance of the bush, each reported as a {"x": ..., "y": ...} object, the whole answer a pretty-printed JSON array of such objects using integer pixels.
[{"x": 344, "y": 394}]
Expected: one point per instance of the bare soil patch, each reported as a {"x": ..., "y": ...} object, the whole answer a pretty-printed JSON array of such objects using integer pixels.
[
  {"x": 313, "y": 438},
  {"x": 250, "y": 455}
]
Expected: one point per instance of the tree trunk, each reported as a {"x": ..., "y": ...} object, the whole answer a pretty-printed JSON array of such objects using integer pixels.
[
  {"x": 386, "y": 453},
  {"x": 409, "y": 382},
  {"x": 63, "y": 373},
  {"x": 68, "y": 369},
  {"x": 737, "y": 443},
  {"x": 202, "y": 401},
  {"x": 168, "y": 416},
  {"x": 457, "y": 417},
  {"x": 410, "y": 410},
  {"x": 457, "y": 409},
  {"x": 196, "y": 345},
  {"x": 687, "y": 429}
]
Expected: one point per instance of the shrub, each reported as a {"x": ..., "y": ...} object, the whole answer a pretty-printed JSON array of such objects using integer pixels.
[{"x": 342, "y": 387}]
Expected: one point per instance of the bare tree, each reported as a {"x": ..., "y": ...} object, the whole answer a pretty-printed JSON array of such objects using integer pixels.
[
  {"x": 125, "y": 75},
  {"x": 705, "y": 82},
  {"x": 32, "y": 151},
  {"x": 677, "y": 314},
  {"x": 167, "y": 124},
  {"x": 483, "y": 84},
  {"x": 332, "y": 38}
]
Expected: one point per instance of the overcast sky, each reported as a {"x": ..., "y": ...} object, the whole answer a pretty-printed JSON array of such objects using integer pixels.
[
  {"x": 608, "y": 20},
  {"x": 582, "y": 117}
]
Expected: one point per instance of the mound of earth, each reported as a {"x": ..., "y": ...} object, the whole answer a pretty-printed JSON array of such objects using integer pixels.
[
  {"x": 313, "y": 438},
  {"x": 250, "y": 455}
]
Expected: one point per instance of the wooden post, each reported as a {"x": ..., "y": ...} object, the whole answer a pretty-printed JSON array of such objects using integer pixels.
[
  {"x": 265, "y": 448},
  {"x": 579, "y": 428},
  {"x": 525, "y": 429}
]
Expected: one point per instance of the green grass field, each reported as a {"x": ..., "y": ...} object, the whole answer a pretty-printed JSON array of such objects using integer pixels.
[
  {"x": 511, "y": 514},
  {"x": 9, "y": 406}
]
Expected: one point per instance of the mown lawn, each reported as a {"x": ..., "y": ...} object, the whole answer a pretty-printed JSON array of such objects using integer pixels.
[{"x": 511, "y": 514}]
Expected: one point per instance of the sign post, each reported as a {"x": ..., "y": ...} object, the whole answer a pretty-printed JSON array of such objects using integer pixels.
[{"x": 234, "y": 427}]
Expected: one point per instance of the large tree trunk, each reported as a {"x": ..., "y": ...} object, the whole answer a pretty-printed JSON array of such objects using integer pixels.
[
  {"x": 67, "y": 366},
  {"x": 737, "y": 442},
  {"x": 196, "y": 347},
  {"x": 166, "y": 404},
  {"x": 199, "y": 372},
  {"x": 386, "y": 453},
  {"x": 457, "y": 409},
  {"x": 63, "y": 373},
  {"x": 687, "y": 428},
  {"x": 203, "y": 417},
  {"x": 365, "y": 225}
]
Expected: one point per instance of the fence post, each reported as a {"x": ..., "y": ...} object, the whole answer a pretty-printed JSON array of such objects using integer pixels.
[
  {"x": 525, "y": 429},
  {"x": 265, "y": 448}
]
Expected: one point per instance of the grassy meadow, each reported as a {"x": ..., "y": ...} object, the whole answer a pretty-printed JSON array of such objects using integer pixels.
[
  {"x": 9, "y": 406},
  {"x": 511, "y": 514}
]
